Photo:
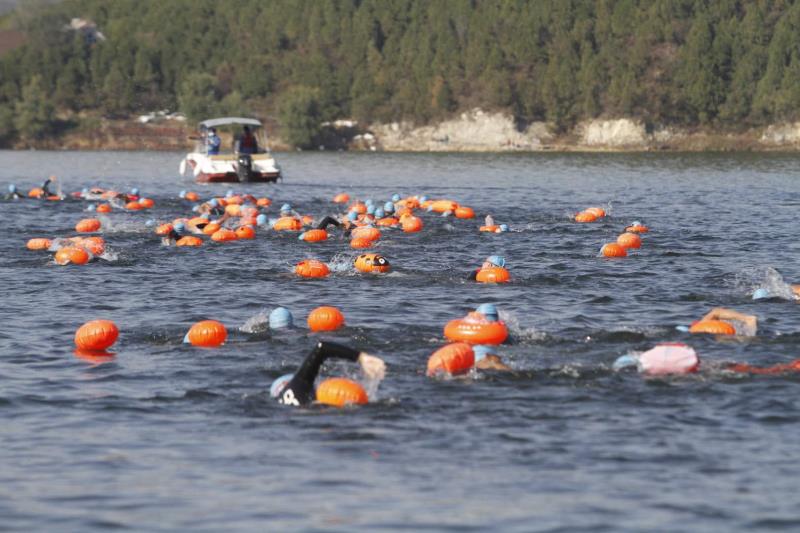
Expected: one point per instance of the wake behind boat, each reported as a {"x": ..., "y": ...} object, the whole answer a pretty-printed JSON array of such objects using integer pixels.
[{"x": 247, "y": 160}]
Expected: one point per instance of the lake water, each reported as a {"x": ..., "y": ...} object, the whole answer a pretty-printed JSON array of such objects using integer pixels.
[{"x": 168, "y": 437}]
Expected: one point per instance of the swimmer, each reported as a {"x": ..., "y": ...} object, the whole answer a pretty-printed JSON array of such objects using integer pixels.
[
  {"x": 298, "y": 388},
  {"x": 13, "y": 193},
  {"x": 489, "y": 262},
  {"x": 281, "y": 318},
  {"x": 745, "y": 325},
  {"x": 486, "y": 360},
  {"x": 762, "y": 293},
  {"x": 664, "y": 359}
]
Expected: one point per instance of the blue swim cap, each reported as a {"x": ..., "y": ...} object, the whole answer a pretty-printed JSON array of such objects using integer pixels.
[
  {"x": 503, "y": 227},
  {"x": 85, "y": 190},
  {"x": 180, "y": 227},
  {"x": 388, "y": 207},
  {"x": 497, "y": 260},
  {"x": 213, "y": 202},
  {"x": 286, "y": 207},
  {"x": 626, "y": 361},
  {"x": 368, "y": 202},
  {"x": 422, "y": 199},
  {"x": 760, "y": 294},
  {"x": 91, "y": 207},
  {"x": 261, "y": 219},
  {"x": 395, "y": 197},
  {"x": 277, "y": 386},
  {"x": 352, "y": 215},
  {"x": 370, "y": 209},
  {"x": 196, "y": 209},
  {"x": 481, "y": 351},
  {"x": 229, "y": 193},
  {"x": 379, "y": 213},
  {"x": 135, "y": 191},
  {"x": 280, "y": 317},
  {"x": 182, "y": 194},
  {"x": 12, "y": 188},
  {"x": 489, "y": 311}
]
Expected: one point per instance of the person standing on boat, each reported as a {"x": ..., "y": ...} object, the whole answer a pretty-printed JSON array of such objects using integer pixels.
[
  {"x": 213, "y": 142},
  {"x": 247, "y": 142}
]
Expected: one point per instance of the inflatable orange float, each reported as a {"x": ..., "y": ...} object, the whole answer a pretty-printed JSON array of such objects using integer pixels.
[
  {"x": 311, "y": 268},
  {"x": 164, "y": 229},
  {"x": 443, "y": 206},
  {"x": 36, "y": 192},
  {"x": 103, "y": 208},
  {"x": 71, "y": 254},
  {"x": 192, "y": 196},
  {"x": 245, "y": 232},
  {"x": 207, "y": 333},
  {"x": 599, "y": 212},
  {"x": 287, "y": 224},
  {"x": 388, "y": 222},
  {"x": 95, "y": 245},
  {"x": 372, "y": 263},
  {"x": 233, "y": 210},
  {"x": 189, "y": 240},
  {"x": 211, "y": 228},
  {"x": 464, "y": 212},
  {"x": 314, "y": 235},
  {"x": 39, "y": 244},
  {"x": 224, "y": 235},
  {"x": 341, "y": 198},
  {"x": 493, "y": 274},
  {"x": 325, "y": 318},
  {"x": 359, "y": 243},
  {"x": 96, "y": 335},
  {"x": 366, "y": 232},
  {"x": 147, "y": 203},
  {"x": 629, "y": 240},
  {"x": 714, "y": 327},
  {"x": 453, "y": 359},
  {"x": 613, "y": 249},
  {"x": 263, "y": 202},
  {"x": 358, "y": 207},
  {"x": 87, "y": 225},
  {"x": 411, "y": 224},
  {"x": 476, "y": 329},
  {"x": 637, "y": 228},
  {"x": 490, "y": 229},
  {"x": 340, "y": 392},
  {"x": 584, "y": 216},
  {"x": 134, "y": 206}
]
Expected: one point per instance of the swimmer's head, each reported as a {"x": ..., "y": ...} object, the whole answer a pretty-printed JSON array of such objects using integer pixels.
[
  {"x": 91, "y": 207},
  {"x": 388, "y": 207},
  {"x": 481, "y": 351},
  {"x": 379, "y": 213},
  {"x": 280, "y": 317},
  {"x": 503, "y": 227},
  {"x": 286, "y": 208},
  {"x": 182, "y": 194},
  {"x": 760, "y": 294},
  {"x": 368, "y": 202},
  {"x": 370, "y": 209},
  {"x": 489, "y": 311},
  {"x": 496, "y": 260},
  {"x": 395, "y": 197},
  {"x": 626, "y": 361},
  {"x": 352, "y": 215},
  {"x": 261, "y": 219},
  {"x": 180, "y": 227},
  {"x": 279, "y": 384},
  {"x": 12, "y": 188},
  {"x": 213, "y": 202},
  {"x": 229, "y": 193},
  {"x": 135, "y": 191},
  {"x": 423, "y": 199},
  {"x": 636, "y": 223}
]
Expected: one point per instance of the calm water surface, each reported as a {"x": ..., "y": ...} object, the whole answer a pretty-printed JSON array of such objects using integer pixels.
[{"x": 168, "y": 437}]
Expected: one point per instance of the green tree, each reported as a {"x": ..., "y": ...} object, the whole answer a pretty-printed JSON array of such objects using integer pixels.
[
  {"x": 33, "y": 114},
  {"x": 300, "y": 117},
  {"x": 198, "y": 96}
]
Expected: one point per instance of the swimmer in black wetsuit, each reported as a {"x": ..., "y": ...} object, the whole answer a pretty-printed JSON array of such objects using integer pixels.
[
  {"x": 13, "y": 193},
  {"x": 299, "y": 389}
]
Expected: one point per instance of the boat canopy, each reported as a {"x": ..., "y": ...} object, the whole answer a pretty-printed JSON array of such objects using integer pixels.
[{"x": 214, "y": 122}]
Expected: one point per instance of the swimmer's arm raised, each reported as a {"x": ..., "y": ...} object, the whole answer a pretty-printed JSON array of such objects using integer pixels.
[{"x": 722, "y": 313}]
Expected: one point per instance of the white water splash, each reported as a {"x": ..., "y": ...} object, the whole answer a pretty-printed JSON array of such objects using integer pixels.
[
  {"x": 257, "y": 323},
  {"x": 750, "y": 280},
  {"x": 519, "y": 332}
]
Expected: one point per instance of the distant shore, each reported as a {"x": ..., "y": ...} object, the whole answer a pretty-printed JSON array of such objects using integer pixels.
[{"x": 474, "y": 131}]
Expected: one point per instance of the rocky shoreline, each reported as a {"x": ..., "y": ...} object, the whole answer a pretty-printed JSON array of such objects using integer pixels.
[{"x": 473, "y": 131}]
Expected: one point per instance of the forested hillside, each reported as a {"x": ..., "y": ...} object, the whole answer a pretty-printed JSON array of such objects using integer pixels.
[{"x": 726, "y": 64}]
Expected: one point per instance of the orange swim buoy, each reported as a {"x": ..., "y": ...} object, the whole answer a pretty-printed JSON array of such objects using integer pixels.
[
  {"x": 613, "y": 249},
  {"x": 411, "y": 224},
  {"x": 36, "y": 192},
  {"x": 366, "y": 232},
  {"x": 359, "y": 243},
  {"x": 311, "y": 268},
  {"x": 87, "y": 225},
  {"x": 493, "y": 274},
  {"x": 476, "y": 330},
  {"x": 453, "y": 359},
  {"x": 96, "y": 335},
  {"x": 584, "y": 216},
  {"x": 103, "y": 208},
  {"x": 442, "y": 206},
  {"x": 388, "y": 222},
  {"x": 189, "y": 240},
  {"x": 71, "y": 254},
  {"x": 411, "y": 203},
  {"x": 164, "y": 229},
  {"x": 637, "y": 229},
  {"x": 147, "y": 203},
  {"x": 314, "y": 235},
  {"x": 340, "y": 392},
  {"x": 599, "y": 212},
  {"x": 207, "y": 333},
  {"x": 358, "y": 207},
  {"x": 464, "y": 212},
  {"x": 287, "y": 224},
  {"x": 192, "y": 196},
  {"x": 233, "y": 209},
  {"x": 714, "y": 327},
  {"x": 39, "y": 244},
  {"x": 245, "y": 232},
  {"x": 95, "y": 245},
  {"x": 629, "y": 240},
  {"x": 134, "y": 206},
  {"x": 490, "y": 229},
  {"x": 341, "y": 198},
  {"x": 372, "y": 263},
  {"x": 263, "y": 202},
  {"x": 325, "y": 318},
  {"x": 211, "y": 228},
  {"x": 224, "y": 235}
]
